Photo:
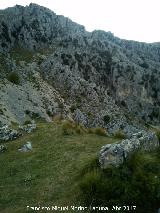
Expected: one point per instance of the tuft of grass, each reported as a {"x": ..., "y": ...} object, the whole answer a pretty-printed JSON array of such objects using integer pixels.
[
  {"x": 134, "y": 183},
  {"x": 158, "y": 134},
  {"x": 1, "y": 112},
  {"x": 57, "y": 119},
  {"x": 100, "y": 131},
  {"x": 70, "y": 128},
  {"x": 119, "y": 134},
  {"x": 90, "y": 130}
]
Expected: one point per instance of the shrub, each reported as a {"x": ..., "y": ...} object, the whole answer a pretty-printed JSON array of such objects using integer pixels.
[
  {"x": 144, "y": 65},
  {"x": 91, "y": 185},
  {"x": 106, "y": 119},
  {"x": 158, "y": 134},
  {"x": 14, "y": 78},
  {"x": 27, "y": 122},
  {"x": 1, "y": 112},
  {"x": 73, "y": 108}
]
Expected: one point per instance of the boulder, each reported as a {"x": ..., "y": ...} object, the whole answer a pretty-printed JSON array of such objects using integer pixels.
[
  {"x": 3, "y": 148},
  {"x": 7, "y": 133},
  {"x": 26, "y": 147},
  {"x": 115, "y": 154},
  {"x": 28, "y": 127}
]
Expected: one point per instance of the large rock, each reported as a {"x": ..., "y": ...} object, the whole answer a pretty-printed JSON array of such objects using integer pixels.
[
  {"x": 26, "y": 147},
  {"x": 7, "y": 133},
  {"x": 115, "y": 154},
  {"x": 3, "y": 148},
  {"x": 28, "y": 127}
]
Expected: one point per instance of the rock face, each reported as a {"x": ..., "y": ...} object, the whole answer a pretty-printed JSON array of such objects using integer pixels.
[
  {"x": 51, "y": 65},
  {"x": 116, "y": 154},
  {"x": 33, "y": 26}
]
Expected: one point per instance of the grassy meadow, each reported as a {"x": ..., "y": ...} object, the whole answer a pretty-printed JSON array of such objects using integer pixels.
[{"x": 63, "y": 170}]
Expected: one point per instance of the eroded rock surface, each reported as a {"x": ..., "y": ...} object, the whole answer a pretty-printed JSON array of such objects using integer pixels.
[
  {"x": 61, "y": 69},
  {"x": 117, "y": 153},
  {"x": 6, "y": 133}
]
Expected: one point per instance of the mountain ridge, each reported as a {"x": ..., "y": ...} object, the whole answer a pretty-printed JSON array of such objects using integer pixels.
[{"x": 98, "y": 79}]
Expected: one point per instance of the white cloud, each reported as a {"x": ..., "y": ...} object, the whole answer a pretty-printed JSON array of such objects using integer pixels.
[{"x": 129, "y": 19}]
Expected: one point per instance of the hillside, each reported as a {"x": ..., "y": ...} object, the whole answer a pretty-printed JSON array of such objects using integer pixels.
[
  {"x": 94, "y": 78},
  {"x": 79, "y": 115}
]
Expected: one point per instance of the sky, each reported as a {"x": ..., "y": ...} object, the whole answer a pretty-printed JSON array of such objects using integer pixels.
[{"x": 129, "y": 19}]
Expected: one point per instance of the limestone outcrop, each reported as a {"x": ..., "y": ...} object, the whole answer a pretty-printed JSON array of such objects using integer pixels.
[
  {"x": 117, "y": 153},
  {"x": 7, "y": 133},
  {"x": 51, "y": 66}
]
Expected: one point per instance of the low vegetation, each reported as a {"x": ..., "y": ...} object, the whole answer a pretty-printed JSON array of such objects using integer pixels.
[
  {"x": 99, "y": 131},
  {"x": 136, "y": 183},
  {"x": 14, "y": 78},
  {"x": 119, "y": 134},
  {"x": 70, "y": 128},
  {"x": 49, "y": 174},
  {"x": 63, "y": 169}
]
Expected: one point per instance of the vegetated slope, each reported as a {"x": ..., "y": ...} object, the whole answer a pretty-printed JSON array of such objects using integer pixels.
[
  {"x": 94, "y": 78},
  {"x": 51, "y": 67},
  {"x": 48, "y": 175},
  {"x": 62, "y": 170}
]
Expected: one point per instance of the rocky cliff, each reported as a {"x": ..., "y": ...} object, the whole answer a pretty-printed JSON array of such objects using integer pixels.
[{"x": 50, "y": 65}]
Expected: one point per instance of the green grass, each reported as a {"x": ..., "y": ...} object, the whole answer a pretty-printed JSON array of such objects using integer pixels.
[
  {"x": 20, "y": 54},
  {"x": 62, "y": 169},
  {"x": 49, "y": 174},
  {"x": 135, "y": 183}
]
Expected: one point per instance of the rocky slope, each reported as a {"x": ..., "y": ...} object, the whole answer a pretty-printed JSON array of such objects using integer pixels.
[{"x": 94, "y": 78}]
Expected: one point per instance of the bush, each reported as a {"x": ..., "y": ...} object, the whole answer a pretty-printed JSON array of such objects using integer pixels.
[
  {"x": 27, "y": 122},
  {"x": 1, "y": 112},
  {"x": 106, "y": 119},
  {"x": 14, "y": 78},
  {"x": 73, "y": 108},
  {"x": 158, "y": 134},
  {"x": 144, "y": 65}
]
